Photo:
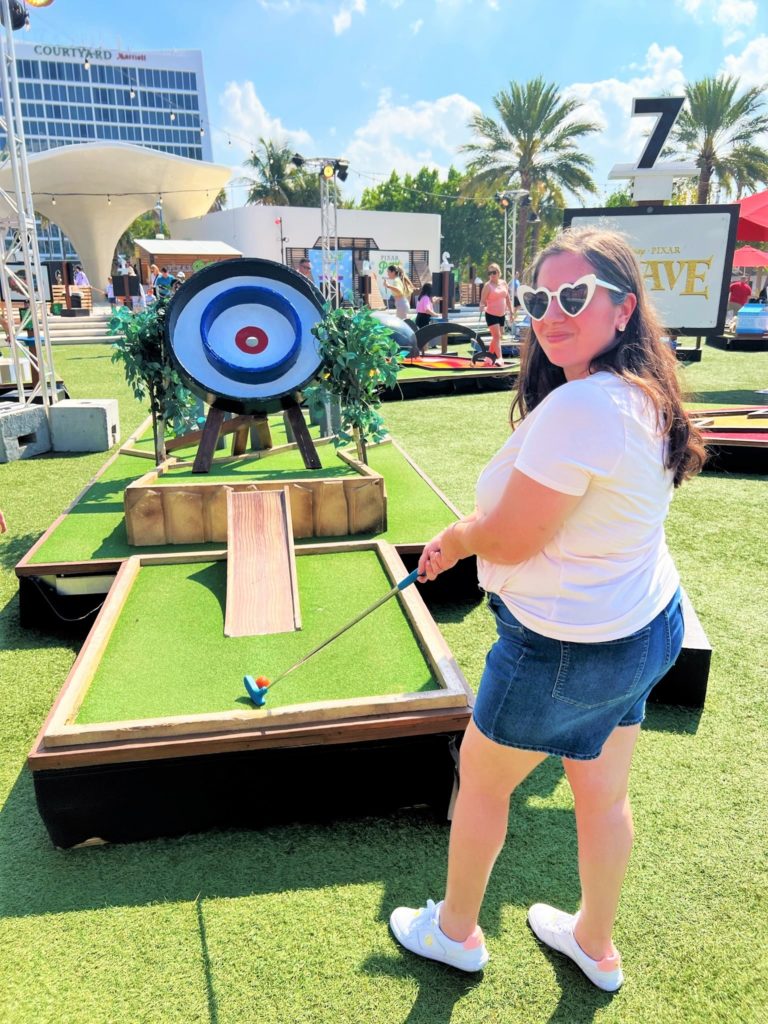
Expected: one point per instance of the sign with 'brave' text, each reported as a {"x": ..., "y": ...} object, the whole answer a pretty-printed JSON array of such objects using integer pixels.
[{"x": 685, "y": 254}]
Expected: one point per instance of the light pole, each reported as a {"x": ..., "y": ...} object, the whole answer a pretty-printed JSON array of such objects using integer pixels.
[{"x": 517, "y": 194}]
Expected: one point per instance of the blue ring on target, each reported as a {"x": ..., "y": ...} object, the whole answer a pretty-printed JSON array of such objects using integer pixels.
[{"x": 258, "y": 296}]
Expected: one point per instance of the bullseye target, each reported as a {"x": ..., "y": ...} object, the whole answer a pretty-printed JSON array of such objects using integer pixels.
[{"x": 240, "y": 335}]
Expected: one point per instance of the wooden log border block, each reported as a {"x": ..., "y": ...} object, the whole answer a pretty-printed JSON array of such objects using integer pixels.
[
  {"x": 195, "y": 511},
  {"x": 61, "y": 737}
]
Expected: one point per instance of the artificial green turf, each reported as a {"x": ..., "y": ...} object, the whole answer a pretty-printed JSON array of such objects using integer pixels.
[
  {"x": 96, "y": 526},
  {"x": 289, "y": 924},
  {"x": 281, "y": 465},
  {"x": 179, "y": 610}
]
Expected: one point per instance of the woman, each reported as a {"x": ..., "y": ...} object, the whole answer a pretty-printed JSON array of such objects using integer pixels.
[
  {"x": 424, "y": 308},
  {"x": 495, "y": 301},
  {"x": 569, "y": 537},
  {"x": 401, "y": 288}
]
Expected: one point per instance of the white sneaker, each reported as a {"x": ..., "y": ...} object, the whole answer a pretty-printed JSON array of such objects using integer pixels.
[
  {"x": 419, "y": 931},
  {"x": 555, "y": 928}
]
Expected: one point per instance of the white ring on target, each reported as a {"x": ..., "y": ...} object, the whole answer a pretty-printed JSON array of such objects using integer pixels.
[{"x": 188, "y": 346}]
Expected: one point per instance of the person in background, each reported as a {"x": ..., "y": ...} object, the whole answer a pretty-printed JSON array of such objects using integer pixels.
[
  {"x": 401, "y": 288},
  {"x": 181, "y": 277},
  {"x": 739, "y": 293},
  {"x": 3, "y": 524},
  {"x": 424, "y": 308},
  {"x": 110, "y": 292},
  {"x": 495, "y": 301},
  {"x": 568, "y": 532},
  {"x": 153, "y": 272},
  {"x": 163, "y": 284},
  {"x": 81, "y": 280},
  {"x": 305, "y": 269}
]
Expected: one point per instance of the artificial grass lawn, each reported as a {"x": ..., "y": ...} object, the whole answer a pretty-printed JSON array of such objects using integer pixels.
[
  {"x": 179, "y": 610},
  {"x": 96, "y": 526},
  {"x": 289, "y": 924}
]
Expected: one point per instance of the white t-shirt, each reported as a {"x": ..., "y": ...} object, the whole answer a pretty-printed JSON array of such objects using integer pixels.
[{"x": 607, "y": 572}]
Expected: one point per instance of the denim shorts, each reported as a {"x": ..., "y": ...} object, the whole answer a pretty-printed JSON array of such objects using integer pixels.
[{"x": 566, "y": 698}]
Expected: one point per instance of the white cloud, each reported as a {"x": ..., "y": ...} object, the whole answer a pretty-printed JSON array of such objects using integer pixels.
[
  {"x": 416, "y": 26},
  {"x": 343, "y": 17},
  {"x": 246, "y": 120},
  {"x": 734, "y": 17},
  {"x": 406, "y": 138},
  {"x": 609, "y": 103},
  {"x": 751, "y": 65}
]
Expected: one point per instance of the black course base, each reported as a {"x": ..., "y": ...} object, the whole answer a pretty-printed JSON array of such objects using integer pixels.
[
  {"x": 458, "y": 383},
  {"x": 253, "y": 789},
  {"x": 741, "y": 342},
  {"x": 732, "y": 458},
  {"x": 42, "y": 608}
]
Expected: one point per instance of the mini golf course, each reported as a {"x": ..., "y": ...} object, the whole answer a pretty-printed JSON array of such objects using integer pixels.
[{"x": 156, "y": 932}]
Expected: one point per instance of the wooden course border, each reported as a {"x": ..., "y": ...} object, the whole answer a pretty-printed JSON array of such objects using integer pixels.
[
  {"x": 61, "y": 737},
  {"x": 195, "y": 511}
]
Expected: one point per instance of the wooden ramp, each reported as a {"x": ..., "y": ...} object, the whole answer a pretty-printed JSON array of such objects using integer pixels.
[{"x": 262, "y": 593}]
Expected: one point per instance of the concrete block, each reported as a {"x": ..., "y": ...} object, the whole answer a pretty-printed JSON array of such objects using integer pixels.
[
  {"x": 23, "y": 433},
  {"x": 85, "y": 425}
]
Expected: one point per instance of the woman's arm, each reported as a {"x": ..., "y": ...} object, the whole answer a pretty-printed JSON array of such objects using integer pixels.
[
  {"x": 483, "y": 298},
  {"x": 518, "y": 527}
]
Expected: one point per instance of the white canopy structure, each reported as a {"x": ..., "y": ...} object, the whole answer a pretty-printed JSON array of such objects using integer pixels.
[{"x": 94, "y": 191}]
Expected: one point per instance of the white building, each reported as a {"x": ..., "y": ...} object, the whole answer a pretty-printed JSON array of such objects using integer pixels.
[
  {"x": 287, "y": 233},
  {"x": 74, "y": 94}
]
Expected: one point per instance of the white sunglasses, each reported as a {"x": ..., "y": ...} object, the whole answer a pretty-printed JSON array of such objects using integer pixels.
[{"x": 571, "y": 298}]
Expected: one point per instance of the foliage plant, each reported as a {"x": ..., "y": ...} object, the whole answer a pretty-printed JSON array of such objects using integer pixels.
[
  {"x": 359, "y": 359},
  {"x": 140, "y": 346},
  {"x": 723, "y": 127}
]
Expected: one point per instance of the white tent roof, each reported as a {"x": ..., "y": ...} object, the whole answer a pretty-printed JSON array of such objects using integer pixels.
[{"x": 101, "y": 188}]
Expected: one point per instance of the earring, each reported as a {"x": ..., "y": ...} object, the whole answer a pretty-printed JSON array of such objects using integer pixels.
[{"x": 621, "y": 326}]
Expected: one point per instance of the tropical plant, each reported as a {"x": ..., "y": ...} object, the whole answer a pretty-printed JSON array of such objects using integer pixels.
[
  {"x": 718, "y": 129},
  {"x": 534, "y": 145},
  {"x": 359, "y": 359},
  {"x": 271, "y": 162},
  {"x": 472, "y": 231},
  {"x": 140, "y": 346},
  {"x": 145, "y": 226}
]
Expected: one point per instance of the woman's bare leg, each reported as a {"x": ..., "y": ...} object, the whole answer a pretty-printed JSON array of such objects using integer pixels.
[
  {"x": 495, "y": 345},
  {"x": 490, "y": 773},
  {"x": 605, "y": 833}
]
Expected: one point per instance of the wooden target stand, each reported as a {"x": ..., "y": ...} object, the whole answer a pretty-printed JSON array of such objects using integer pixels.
[{"x": 254, "y": 424}]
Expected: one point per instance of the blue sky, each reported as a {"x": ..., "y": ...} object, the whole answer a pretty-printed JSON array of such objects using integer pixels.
[{"x": 392, "y": 83}]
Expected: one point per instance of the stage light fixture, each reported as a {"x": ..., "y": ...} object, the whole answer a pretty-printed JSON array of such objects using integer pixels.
[
  {"x": 297, "y": 160},
  {"x": 328, "y": 171},
  {"x": 342, "y": 169}
]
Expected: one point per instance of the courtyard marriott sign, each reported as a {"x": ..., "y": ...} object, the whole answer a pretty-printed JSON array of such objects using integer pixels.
[{"x": 85, "y": 53}]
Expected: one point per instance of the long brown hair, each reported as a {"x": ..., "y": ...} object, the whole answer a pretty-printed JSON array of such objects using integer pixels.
[{"x": 639, "y": 355}]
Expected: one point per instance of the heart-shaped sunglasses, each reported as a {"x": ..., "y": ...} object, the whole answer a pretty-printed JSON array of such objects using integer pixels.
[{"x": 571, "y": 298}]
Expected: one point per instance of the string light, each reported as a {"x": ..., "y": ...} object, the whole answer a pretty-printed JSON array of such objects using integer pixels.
[
  {"x": 109, "y": 200},
  {"x": 132, "y": 93},
  {"x": 53, "y": 200},
  {"x": 87, "y": 64},
  {"x": 173, "y": 116},
  {"x": 202, "y": 131}
]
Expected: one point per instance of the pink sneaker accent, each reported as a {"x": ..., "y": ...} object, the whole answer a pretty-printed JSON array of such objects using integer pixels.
[{"x": 475, "y": 939}]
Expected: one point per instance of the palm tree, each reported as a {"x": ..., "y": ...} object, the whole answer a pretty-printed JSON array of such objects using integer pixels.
[
  {"x": 272, "y": 163},
  {"x": 534, "y": 145},
  {"x": 719, "y": 131}
]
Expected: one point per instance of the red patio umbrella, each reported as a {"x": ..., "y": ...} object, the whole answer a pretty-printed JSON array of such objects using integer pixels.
[
  {"x": 753, "y": 218},
  {"x": 748, "y": 256}
]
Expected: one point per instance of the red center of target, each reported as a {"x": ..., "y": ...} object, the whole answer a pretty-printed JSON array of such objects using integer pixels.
[{"x": 251, "y": 340}]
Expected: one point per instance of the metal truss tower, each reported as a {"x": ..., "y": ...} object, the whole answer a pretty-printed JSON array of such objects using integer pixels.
[
  {"x": 19, "y": 236},
  {"x": 329, "y": 235}
]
